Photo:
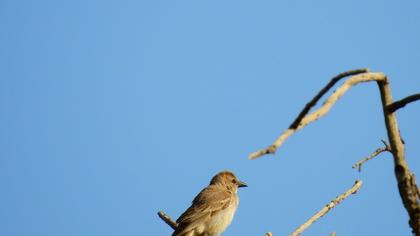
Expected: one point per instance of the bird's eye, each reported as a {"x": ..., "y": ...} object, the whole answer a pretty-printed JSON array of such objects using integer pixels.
[{"x": 234, "y": 181}]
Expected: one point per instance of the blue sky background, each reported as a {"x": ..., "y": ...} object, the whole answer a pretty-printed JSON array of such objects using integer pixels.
[{"x": 114, "y": 110}]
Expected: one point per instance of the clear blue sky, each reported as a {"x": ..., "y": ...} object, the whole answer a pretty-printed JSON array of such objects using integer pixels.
[{"x": 113, "y": 110}]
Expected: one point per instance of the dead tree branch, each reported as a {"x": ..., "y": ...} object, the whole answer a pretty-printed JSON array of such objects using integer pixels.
[
  {"x": 407, "y": 186},
  {"x": 309, "y": 118},
  {"x": 405, "y": 179},
  {"x": 401, "y": 103},
  {"x": 327, "y": 208},
  {"x": 378, "y": 151},
  {"x": 321, "y": 93},
  {"x": 167, "y": 219}
]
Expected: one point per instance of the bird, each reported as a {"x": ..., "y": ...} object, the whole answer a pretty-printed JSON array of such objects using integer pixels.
[{"x": 212, "y": 210}]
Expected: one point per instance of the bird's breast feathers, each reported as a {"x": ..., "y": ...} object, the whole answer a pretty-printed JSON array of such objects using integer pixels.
[{"x": 222, "y": 219}]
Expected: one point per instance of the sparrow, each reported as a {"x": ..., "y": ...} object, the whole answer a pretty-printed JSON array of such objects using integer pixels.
[{"x": 212, "y": 210}]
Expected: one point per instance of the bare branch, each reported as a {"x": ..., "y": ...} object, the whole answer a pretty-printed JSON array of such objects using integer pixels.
[
  {"x": 167, "y": 219},
  {"x": 407, "y": 186},
  {"x": 401, "y": 103},
  {"x": 378, "y": 151},
  {"x": 359, "y": 164},
  {"x": 327, "y": 208},
  {"x": 321, "y": 93},
  {"x": 332, "y": 99},
  {"x": 406, "y": 183}
]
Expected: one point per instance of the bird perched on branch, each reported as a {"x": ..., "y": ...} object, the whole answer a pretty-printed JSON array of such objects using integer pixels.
[{"x": 212, "y": 210}]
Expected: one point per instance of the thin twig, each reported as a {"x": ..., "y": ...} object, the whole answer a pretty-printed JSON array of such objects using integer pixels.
[
  {"x": 294, "y": 126},
  {"x": 321, "y": 93},
  {"x": 327, "y": 208},
  {"x": 309, "y": 118},
  {"x": 167, "y": 219},
  {"x": 359, "y": 164},
  {"x": 401, "y": 103},
  {"x": 378, "y": 151}
]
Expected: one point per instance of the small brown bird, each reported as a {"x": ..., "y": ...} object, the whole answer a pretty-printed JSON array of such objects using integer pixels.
[{"x": 212, "y": 209}]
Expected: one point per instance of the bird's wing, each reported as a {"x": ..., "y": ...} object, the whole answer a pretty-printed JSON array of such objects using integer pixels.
[{"x": 209, "y": 201}]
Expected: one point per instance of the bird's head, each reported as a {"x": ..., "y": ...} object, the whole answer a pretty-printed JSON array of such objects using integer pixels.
[{"x": 227, "y": 178}]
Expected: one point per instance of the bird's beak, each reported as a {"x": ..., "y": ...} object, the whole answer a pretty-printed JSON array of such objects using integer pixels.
[{"x": 242, "y": 184}]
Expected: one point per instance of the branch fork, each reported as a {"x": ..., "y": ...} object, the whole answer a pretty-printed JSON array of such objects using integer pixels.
[
  {"x": 378, "y": 151},
  {"x": 407, "y": 187}
]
